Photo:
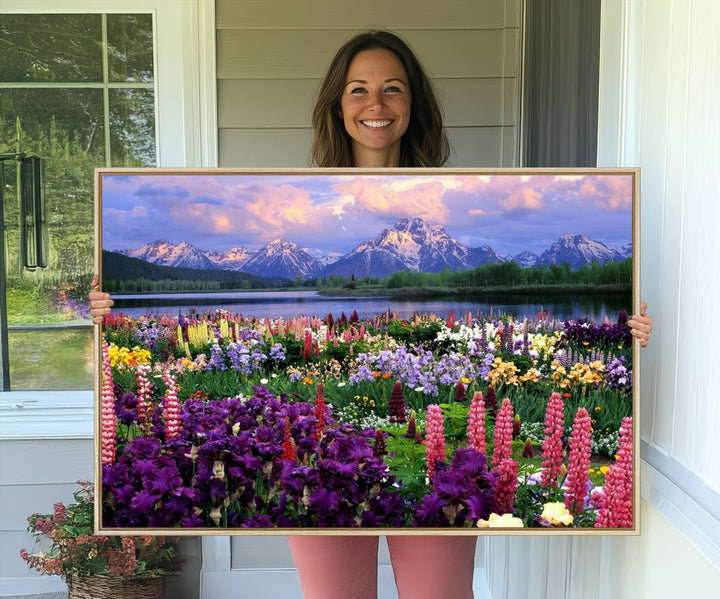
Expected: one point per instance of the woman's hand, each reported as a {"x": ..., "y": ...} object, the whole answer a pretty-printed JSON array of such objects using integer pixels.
[
  {"x": 100, "y": 302},
  {"x": 641, "y": 325}
]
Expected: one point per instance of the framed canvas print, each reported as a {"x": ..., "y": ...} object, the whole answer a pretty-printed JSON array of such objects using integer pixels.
[{"x": 399, "y": 351}]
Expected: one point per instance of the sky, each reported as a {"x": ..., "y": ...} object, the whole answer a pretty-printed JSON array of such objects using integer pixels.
[{"x": 333, "y": 213}]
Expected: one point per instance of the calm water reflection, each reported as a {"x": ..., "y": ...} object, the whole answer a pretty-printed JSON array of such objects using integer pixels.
[{"x": 287, "y": 304}]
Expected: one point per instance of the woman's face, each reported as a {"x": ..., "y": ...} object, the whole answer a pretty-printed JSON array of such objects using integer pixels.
[{"x": 375, "y": 107}]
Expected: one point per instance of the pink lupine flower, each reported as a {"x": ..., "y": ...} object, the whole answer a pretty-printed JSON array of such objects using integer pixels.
[
  {"x": 506, "y": 486},
  {"x": 108, "y": 444},
  {"x": 434, "y": 438},
  {"x": 552, "y": 445},
  {"x": 144, "y": 389},
  {"x": 476, "y": 422},
  {"x": 616, "y": 499},
  {"x": 579, "y": 463},
  {"x": 171, "y": 406},
  {"x": 503, "y": 433}
]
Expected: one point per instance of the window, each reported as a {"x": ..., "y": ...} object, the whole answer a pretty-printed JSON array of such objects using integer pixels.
[{"x": 77, "y": 90}]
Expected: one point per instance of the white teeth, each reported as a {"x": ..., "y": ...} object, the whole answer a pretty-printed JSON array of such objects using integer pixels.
[{"x": 376, "y": 123}]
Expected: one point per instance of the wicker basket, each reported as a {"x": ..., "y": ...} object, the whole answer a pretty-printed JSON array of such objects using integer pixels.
[{"x": 116, "y": 587}]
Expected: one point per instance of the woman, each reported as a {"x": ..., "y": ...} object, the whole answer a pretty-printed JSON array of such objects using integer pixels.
[{"x": 376, "y": 108}]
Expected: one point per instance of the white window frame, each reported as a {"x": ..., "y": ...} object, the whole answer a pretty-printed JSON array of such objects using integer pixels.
[{"x": 186, "y": 132}]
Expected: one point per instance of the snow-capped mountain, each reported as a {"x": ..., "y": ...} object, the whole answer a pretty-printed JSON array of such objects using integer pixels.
[
  {"x": 281, "y": 258},
  {"x": 626, "y": 250},
  {"x": 327, "y": 259},
  {"x": 526, "y": 259},
  {"x": 183, "y": 255},
  {"x": 232, "y": 259},
  {"x": 578, "y": 250},
  {"x": 411, "y": 244}
]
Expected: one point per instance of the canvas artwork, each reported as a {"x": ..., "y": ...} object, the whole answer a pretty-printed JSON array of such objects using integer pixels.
[{"x": 407, "y": 350}]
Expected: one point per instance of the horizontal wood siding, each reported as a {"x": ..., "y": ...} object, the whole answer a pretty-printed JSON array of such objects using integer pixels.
[
  {"x": 35, "y": 475},
  {"x": 271, "y": 58},
  {"x": 341, "y": 14}
]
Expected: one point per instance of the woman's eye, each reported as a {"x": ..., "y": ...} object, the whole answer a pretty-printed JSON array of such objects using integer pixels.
[
  {"x": 393, "y": 89},
  {"x": 357, "y": 90}
]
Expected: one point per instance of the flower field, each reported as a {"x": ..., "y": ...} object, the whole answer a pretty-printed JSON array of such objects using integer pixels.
[{"x": 214, "y": 420}]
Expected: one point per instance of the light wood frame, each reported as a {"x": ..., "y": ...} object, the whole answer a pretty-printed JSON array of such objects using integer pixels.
[{"x": 634, "y": 173}]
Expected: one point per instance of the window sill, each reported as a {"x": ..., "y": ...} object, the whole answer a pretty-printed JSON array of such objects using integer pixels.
[
  {"x": 46, "y": 415},
  {"x": 691, "y": 506}
]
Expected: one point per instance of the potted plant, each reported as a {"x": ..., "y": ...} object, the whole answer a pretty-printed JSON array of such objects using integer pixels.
[{"x": 98, "y": 566}]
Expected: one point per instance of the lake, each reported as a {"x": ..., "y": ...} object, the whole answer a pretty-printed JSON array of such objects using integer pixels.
[{"x": 287, "y": 304}]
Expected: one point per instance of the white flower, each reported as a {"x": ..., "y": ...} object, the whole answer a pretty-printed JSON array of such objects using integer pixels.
[{"x": 263, "y": 381}]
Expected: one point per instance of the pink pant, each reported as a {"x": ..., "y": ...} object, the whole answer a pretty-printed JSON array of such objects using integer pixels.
[{"x": 345, "y": 567}]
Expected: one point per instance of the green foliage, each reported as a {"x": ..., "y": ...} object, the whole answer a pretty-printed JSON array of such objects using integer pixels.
[
  {"x": 407, "y": 462},
  {"x": 455, "y": 417},
  {"x": 409, "y": 334}
]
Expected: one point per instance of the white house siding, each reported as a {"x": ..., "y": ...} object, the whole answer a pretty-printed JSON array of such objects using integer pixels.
[
  {"x": 271, "y": 57},
  {"x": 660, "y": 80}
]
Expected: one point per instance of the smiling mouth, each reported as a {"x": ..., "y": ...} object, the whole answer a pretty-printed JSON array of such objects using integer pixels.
[{"x": 376, "y": 124}]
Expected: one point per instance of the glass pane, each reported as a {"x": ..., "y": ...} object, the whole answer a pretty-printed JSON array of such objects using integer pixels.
[
  {"x": 50, "y": 48},
  {"x": 130, "y": 47},
  {"x": 132, "y": 127},
  {"x": 54, "y": 359},
  {"x": 65, "y": 128},
  {"x": 51, "y": 118}
]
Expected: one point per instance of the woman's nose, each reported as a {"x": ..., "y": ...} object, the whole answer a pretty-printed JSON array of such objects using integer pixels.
[{"x": 375, "y": 99}]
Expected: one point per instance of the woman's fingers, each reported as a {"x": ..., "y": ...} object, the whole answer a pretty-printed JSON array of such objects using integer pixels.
[
  {"x": 100, "y": 302},
  {"x": 641, "y": 325}
]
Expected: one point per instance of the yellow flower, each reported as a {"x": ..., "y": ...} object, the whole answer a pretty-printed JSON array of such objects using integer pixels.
[
  {"x": 604, "y": 469},
  {"x": 465, "y": 380},
  {"x": 497, "y": 521},
  {"x": 598, "y": 408},
  {"x": 556, "y": 514}
]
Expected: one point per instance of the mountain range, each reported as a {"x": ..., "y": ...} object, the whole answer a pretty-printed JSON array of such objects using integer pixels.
[{"x": 411, "y": 244}]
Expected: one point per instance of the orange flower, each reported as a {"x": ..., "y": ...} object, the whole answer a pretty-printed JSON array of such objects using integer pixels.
[
  {"x": 376, "y": 374},
  {"x": 386, "y": 375},
  {"x": 566, "y": 395}
]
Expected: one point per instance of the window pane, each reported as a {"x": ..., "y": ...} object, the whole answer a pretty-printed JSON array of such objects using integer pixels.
[
  {"x": 130, "y": 47},
  {"x": 65, "y": 127},
  {"x": 132, "y": 127},
  {"x": 38, "y": 48},
  {"x": 55, "y": 359},
  {"x": 53, "y": 116},
  {"x": 50, "y": 333}
]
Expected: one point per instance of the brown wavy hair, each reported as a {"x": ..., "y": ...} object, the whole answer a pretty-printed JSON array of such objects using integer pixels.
[{"x": 424, "y": 144}]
